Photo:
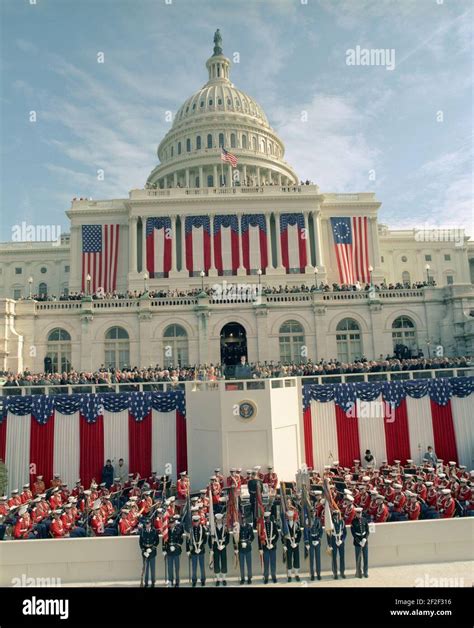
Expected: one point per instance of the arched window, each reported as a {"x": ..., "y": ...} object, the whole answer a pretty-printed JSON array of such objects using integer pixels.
[
  {"x": 348, "y": 340},
  {"x": 43, "y": 289},
  {"x": 175, "y": 346},
  {"x": 404, "y": 333},
  {"x": 117, "y": 348},
  {"x": 59, "y": 350},
  {"x": 172, "y": 151},
  {"x": 179, "y": 148},
  {"x": 244, "y": 141},
  {"x": 221, "y": 139},
  {"x": 232, "y": 140},
  {"x": 210, "y": 181},
  {"x": 188, "y": 145},
  {"x": 254, "y": 143},
  {"x": 209, "y": 141},
  {"x": 198, "y": 142},
  {"x": 291, "y": 341},
  {"x": 406, "y": 277}
]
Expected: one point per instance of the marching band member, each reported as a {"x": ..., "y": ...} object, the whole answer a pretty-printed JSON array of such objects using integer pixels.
[
  {"x": 38, "y": 485},
  {"x": 26, "y": 494}
]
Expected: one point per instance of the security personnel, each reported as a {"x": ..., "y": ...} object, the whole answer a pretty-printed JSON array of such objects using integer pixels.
[
  {"x": 196, "y": 549},
  {"x": 172, "y": 551},
  {"x": 244, "y": 551},
  {"x": 312, "y": 538},
  {"x": 148, "y": 541},
  {"x": 360, "y": 534},
  {"x": 291, "y": 539},
  {"x": 267, "y": 546},
  {"x": 218, "y": 545},
  {"x": 253, "y": 485},
  {"x": 336, "y": 542}
]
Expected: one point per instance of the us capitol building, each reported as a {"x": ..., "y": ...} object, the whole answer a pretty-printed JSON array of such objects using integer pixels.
[{"x": 203, "y": 222}]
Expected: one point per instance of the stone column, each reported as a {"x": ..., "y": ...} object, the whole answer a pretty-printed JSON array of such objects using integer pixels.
[
  {"x": 75, "y": 259},
  {"x": 132, "y": 246},
  {"x": 174, "y": 244},
  {"x": 244, "y": 174},
  {"x": 241, "y": 269},
  {"x": 215, "y": 177},
  {"x": 279, "y": 261},
  {"x": 201, "y": 177},
  {"x": 175, "y": 179},
  {"x": 144, "y": 268},
  {"x": 212, "y": 269},
  {"x": 229, "y": 176},
  {"x": 186, "y": 173},
  {"x": 308, "y": 267},
  {"x": 279, "y": 179},
  {"x": 269, "y": 243},
  {"x": 183, "y": 244},
  {"x": 258, "y": 176}
]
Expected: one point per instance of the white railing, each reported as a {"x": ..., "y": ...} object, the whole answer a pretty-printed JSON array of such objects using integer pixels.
[{"x": 232, "y": 385}]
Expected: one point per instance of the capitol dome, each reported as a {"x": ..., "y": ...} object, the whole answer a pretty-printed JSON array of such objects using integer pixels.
[{"x": 220, "y": 115}]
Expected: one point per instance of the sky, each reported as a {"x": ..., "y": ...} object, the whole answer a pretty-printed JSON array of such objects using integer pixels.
[{"x": 404, "y": 133}]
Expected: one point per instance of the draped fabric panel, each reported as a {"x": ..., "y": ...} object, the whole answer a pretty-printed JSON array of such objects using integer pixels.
[
  {"x": 91, "y": 458},
  {"x": 443, "y": 431},
  {"x": 66, "y": 447},
  {"x": 181, "y": 443},
  {"x": 163, "y": 432},
  {"x": 42, "y": 450},
  {"x": 370, "y": 416},
  {"x": 324, "y": 434},
  {"x": 420, "y": 426},
  {"x": 140, "y": 443},
  {"x": 3, "y": 439},
  {"x": 308, "y": 437},
  {"x": 116, "y": 436},
  {"x": 17, "y": 450},
  {"x": 347, "y": 437},
  {"x": 397, "y": 436},
  {"x": 463, "y": 418}
]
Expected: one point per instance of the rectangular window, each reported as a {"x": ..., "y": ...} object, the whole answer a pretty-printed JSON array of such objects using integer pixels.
[
  {"x": 66, "y": 269},
  {"x": 18, "y": 271},
  {"x": 447, "y": 258},
  {"x": 449, "y": 280},
  {"x": 17, "y": 294},
  {"x": 427, "y": 258}
]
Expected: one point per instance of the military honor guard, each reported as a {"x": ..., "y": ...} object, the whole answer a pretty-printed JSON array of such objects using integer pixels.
[
  {"x": 196, "y": 549},
  {"x": 267, "y": 546},
  {"x": 291, "y": 538},
  {"x": 148, "y": 541},
  {"x": 244, "y": 551},
  {"x": 218, "y": 544},
  {"x": 172, "y": 551},
  {"x": 360, "y": 534},
  {"x": 336, "y": 543},
  {"x": 312, "y": 539}
]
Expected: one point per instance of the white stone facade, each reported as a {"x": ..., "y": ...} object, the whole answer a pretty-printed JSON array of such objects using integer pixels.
[{"x": 186, "y": 183}]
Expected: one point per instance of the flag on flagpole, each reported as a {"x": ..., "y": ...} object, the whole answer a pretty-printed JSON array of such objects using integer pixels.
[
  {"x": 351, "y": 244},
  {"x": 100, "y": 256},
  {"x": 229, "y": 157}
]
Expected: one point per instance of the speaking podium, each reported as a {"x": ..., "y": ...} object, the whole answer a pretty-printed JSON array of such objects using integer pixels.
[{"x": 243, "y": 423}]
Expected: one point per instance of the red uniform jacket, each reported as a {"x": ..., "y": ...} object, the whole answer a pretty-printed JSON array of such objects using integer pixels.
[
  {"x": 448, "y": 508},
  {"x": 399, "y": 502},
  {"x": 26, "y": 495},
  {"x": 413, "y": 511},
  {"x": 57, "y": 529},
  {"x": 22, "y": 527},
  {"x": 382, "y": 514}
]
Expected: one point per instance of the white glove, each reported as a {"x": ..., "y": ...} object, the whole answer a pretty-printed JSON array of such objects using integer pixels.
[
  {"x": 198, "y": 551},
  {"x": 293, "y": 545},
  {"x": 270, "y": 546},
  {"x": 188, "y": 553},
  {"x": 172, "y": 548},
  {"x": 315, "y": 543},
  {"x": 164, "y": 553},
  {"x": 338, "y": 543},
  {"x": 244, "y": 544},
  {"x": 363, "y": 542}
]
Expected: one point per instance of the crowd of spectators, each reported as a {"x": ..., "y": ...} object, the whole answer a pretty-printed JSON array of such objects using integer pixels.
[
  {"x": 210, "y": 290},
  {"x": 107, "y": 377}
]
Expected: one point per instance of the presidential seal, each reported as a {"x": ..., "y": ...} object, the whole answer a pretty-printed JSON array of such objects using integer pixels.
[{"x": 247, "y": 410}]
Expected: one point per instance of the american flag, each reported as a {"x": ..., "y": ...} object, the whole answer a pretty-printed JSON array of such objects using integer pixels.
[
  {"x": 254, "y": 242},
  {"x": 197, "y": 240},
  {"x": 352, "y": 248},
  {"x": 293, "y": 239},
  {"x": 226, "y": 156},
  {"x": 159, "y": 240},
  {"x": 100, "y": 245}
]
